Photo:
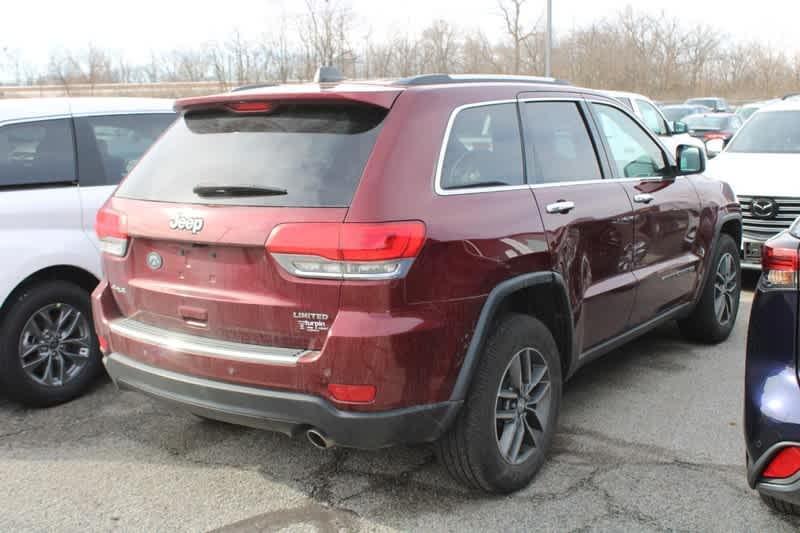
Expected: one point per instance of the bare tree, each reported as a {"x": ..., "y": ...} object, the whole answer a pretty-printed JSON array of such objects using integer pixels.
[{"x": 511, "y": 11}]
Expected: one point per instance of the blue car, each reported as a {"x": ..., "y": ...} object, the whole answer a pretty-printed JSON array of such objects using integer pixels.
[{"x": 772, "y": 386}]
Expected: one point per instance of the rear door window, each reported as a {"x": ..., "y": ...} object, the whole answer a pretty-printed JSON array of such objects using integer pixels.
[
  {"x": 558, "y": 144},
  {"x": 37, "y": 153},
  {"x": 316, "y": 153},
  {"x": 110, "y": 146},
  {"x": 484, "y": 148}
]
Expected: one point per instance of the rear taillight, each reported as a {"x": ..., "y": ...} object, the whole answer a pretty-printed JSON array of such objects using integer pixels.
[
  {"x": 786, "y": 463},
  {"x": 779, "y": 266},
  {"x": 711, "y": 136},
  {"x": 111, "y": 229},
  {"x": 347, "y": 250}
]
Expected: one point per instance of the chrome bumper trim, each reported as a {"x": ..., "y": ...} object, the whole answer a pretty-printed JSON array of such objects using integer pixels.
[{"x": 204, "y": 346}]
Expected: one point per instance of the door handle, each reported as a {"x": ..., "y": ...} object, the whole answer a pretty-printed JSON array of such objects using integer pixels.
[
  {"x": 561, "y": 206},
  {"x": 643, "y": 198}
]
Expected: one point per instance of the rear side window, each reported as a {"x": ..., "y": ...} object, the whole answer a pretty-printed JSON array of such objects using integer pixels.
[
  {"x": 110, "y": 146},
  {"x": 483, "y": 149},
  {"x": 316, "y": 153},
  {"x": 37, "y": 153},
  {"x": 558, "y": 144}
]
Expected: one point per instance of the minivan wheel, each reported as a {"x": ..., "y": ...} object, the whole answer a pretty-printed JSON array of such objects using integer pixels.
[
  {"x": 48, "y": 347},
  {"x": 504, "y": 431},
  {"x": 713, "y": 318}
]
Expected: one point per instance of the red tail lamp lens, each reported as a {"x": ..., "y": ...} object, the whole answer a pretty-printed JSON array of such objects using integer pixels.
[
  {"x": 785, "y": 464},
  {"x": 112, "y": 231},
  {"x": 780, "y": 266},
  {"x": 110, "y": 223},
  {"x": 352, "y": 393},
  {"x": 103, "y": 343},
  {"x": 781, "y": 259},
  {"x": 333, "y": 250}
]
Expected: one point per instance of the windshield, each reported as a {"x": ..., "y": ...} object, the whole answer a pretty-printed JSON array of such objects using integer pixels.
[
  {"x": 315, "y": 152},
  {"x": 706, "y": 122},
  {"x": 776, "y": 132},
  {"x": 674, "y": 114}
]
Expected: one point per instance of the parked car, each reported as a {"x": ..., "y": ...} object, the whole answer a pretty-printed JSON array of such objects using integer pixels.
[
  {"x": 671, "y": 133},
  {"x": 717, "y": 105},
  {"x": 371, "y": 264},
  {"x": 714, "y": 129},
  {"x": 759, "y": 164},
  {"x": 772, "y": 392},
  {"x": 60, "y": 159},
  {"x": 746, "y": 111},
  {"x": 677, "y": 112}
]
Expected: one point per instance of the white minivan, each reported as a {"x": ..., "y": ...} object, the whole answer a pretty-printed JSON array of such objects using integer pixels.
[{"x": 60, "y": 159}]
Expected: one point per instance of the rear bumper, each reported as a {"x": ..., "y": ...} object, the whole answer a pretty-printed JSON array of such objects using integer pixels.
[
  {"x": 285, "y": 412},
  {"x": 787, "y": 492}
]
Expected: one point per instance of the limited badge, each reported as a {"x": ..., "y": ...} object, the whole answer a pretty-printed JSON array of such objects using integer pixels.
[{"x": 154, "y": 261}]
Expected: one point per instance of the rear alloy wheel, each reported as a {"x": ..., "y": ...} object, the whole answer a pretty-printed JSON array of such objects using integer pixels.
[
  {"x": 523, "y": 406},
  {"x": 714, "y": 316},
  {"x": 48, "y": 347},
  {"x": 505, "y": 429}
]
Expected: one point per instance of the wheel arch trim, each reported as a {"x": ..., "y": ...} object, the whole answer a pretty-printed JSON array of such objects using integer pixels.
[{"x": 490, "y": 309}]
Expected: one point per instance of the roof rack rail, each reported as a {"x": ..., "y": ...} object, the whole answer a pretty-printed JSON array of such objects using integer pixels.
[
  {"x": 790, "y": 95},
  {"x": 253, "y": 86},
  {"x": 439, "y": 79}
]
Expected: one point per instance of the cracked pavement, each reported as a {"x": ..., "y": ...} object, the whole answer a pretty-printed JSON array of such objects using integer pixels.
[{"x": 650, "y": 439}]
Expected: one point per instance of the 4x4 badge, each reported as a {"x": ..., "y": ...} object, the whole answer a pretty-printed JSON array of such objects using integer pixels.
[{"x": 184, "y": 223}]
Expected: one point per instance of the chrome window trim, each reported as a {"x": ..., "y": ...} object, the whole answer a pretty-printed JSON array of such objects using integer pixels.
[
  {"x": 204, "y": 346},
  {"x": 589, "y": 98}
]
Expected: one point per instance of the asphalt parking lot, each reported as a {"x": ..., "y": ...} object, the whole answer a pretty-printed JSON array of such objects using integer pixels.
[{"x": 650, "y": 439}]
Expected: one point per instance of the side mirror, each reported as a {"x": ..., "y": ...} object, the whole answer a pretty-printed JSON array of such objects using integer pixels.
[
  {"x": 714, "y": 147},
  {"x": 679, "y": 127},
  {"x": 691, "y": 160}
]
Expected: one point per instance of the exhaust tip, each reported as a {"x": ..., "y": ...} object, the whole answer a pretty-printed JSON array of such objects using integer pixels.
[{"x": 318, "y": 440}]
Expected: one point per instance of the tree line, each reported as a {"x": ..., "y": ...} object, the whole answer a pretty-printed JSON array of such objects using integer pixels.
[{"x": 656, "y": 54}]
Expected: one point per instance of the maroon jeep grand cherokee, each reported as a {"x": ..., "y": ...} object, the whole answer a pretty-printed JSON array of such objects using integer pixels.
[{"x": 412, "y": 261}]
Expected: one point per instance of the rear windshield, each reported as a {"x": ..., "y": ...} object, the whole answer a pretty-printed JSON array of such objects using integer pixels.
[{"x": 315, "y": 152}]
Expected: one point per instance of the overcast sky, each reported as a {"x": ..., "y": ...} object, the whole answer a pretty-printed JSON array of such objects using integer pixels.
[{"x": 135, "y": 28}]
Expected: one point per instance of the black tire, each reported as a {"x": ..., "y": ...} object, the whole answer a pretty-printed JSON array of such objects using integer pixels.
[
  {"x": 780, "y": 505},
  {"x": 14, "y": 380},
  {"x": 703, "y": 324},
  {"x": 470, "y": 450}
]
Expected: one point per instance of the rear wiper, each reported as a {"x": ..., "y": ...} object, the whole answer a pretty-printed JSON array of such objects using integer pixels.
[{"x": 232, "y": 191}]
